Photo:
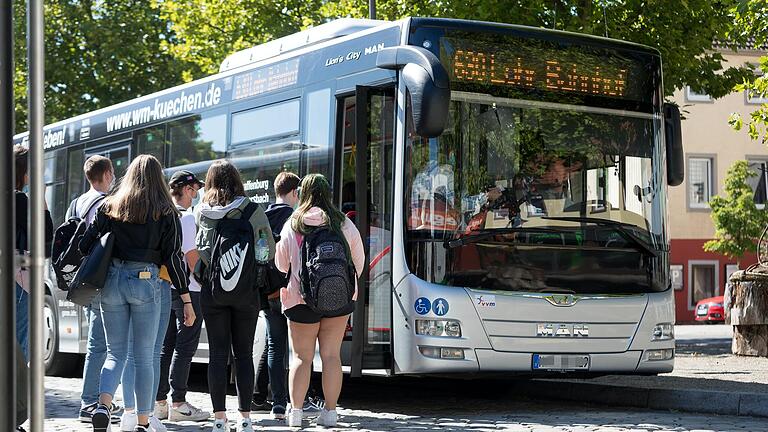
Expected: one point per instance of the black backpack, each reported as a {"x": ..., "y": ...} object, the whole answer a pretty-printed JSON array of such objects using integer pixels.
[
  {"x": 232, "y": 272},
  {"x": 327, "y": 274},
  {"x": 65, "y": 254},
  {"x": 277, "y": 215}
]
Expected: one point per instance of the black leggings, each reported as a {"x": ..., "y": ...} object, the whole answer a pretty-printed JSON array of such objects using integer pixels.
[{"x": 229, "y": 326}]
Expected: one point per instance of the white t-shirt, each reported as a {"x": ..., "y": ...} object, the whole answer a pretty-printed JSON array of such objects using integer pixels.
[
  {"x": 188, "y": 233},
  {"x": 82, "y": 203}
]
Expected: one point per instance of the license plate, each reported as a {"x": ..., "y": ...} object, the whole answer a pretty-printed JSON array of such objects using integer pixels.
[
  {"x": 701, "y": 311},
  {"x": 560, "y": 362}
]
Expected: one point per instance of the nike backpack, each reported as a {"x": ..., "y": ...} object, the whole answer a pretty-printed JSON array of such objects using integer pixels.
[
  {"x": 232, "y": 269},
  {"x": 65, "y": 253},
  {"x": 327, "y": 274}
]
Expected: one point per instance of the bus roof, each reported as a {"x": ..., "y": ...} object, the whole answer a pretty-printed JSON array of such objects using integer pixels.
[
  {"x": 337, "y": 31},
  {"x": 332, "y": 30}
]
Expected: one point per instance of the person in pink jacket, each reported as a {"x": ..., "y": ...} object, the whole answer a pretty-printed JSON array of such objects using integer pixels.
[{"x": 315, "y": 209}]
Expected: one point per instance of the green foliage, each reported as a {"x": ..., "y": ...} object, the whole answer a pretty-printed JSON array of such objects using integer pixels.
[
  {"x": 751, "y": 24},
  {"x": 738, "y": 221},
  {"x": 98, "y": 53},
  {"x": 209, "y": 30}
]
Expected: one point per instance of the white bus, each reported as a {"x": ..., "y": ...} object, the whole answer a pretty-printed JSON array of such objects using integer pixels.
[{"x": 511, "y": 183}]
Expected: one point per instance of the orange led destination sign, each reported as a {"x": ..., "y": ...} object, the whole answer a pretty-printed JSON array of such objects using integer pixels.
[
  {"x": 535, "y": 65},
  {"x": 589, "y": 77}
]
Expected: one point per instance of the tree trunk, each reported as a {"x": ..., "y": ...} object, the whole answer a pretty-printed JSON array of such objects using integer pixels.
[{"x": 746, "y": 309}]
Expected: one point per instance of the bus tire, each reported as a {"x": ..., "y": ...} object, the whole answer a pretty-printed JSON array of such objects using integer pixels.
[{"x": 56, "y": 363}]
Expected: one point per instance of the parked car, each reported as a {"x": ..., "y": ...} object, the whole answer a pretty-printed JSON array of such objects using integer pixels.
[{"x": 710, "y": 310}]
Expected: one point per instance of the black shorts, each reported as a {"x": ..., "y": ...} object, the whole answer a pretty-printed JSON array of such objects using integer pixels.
[{"x": 301, "y": 313}]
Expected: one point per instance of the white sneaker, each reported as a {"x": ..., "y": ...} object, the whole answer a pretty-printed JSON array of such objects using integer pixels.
[
  {"x": 244, "y": 425},
  {"x": 187, "y": 412},
  {"x": 293, "y": 418},
  {"x": 220, "y": 425},
  {"x": 156, "y": 425},
  {"x": 161, "y": 410},
  {"x": 128, "y": 421},
  {"x": 327, "y": 418}
]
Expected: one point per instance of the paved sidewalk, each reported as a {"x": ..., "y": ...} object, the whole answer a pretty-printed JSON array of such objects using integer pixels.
[
  {"x": 389, "y": 408},
  {"x": 707, "y": 378}
]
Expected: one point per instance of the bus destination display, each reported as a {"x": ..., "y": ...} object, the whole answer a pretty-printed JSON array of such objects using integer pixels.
[
  {"x": 534, "y": 65},
  {"x": 265, "y": 80}
]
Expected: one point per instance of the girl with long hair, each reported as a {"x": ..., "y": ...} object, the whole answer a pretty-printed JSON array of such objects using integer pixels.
[
  {"x": 230, "y": 328},
  {"x": 316, "y": 209},
  {"x": 147, "y": 234}
]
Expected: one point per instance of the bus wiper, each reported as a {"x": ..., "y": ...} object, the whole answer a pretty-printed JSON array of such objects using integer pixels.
[
  {"x": 484, "y": 234},
  {"x": 621, "y": 227}
]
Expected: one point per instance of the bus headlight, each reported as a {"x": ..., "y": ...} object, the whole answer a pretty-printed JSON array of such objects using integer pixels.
[
  {"x": 440, "y": 328},
  {"x": 442, "y": 353},
  {"x": 663, "y": 331},
  {"x": 662, "y": 354}
]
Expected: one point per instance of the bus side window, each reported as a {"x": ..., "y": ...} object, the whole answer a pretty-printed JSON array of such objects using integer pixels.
[
  {"x": 199, "y": 138},
  {"x": 151, "y": 141}
]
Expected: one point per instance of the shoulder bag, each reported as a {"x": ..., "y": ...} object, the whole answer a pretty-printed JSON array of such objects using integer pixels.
[{"x": 92, "y": 275}]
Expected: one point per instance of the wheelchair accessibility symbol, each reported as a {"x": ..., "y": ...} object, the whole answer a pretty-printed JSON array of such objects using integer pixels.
[{"x": 422, "y": 306}]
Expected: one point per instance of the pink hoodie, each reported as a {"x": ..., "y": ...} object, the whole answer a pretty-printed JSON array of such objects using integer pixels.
[{"x": 287, "y": 255}]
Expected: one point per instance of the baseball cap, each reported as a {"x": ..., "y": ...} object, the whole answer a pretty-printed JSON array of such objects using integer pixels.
[{"x": 183, "y": 178}]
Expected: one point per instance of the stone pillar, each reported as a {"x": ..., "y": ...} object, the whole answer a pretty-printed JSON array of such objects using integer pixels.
[{"x": 746, "y": 309}]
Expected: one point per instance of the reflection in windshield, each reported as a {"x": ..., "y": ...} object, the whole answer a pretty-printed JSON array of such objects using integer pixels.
[{"x": 521, "y": 167}]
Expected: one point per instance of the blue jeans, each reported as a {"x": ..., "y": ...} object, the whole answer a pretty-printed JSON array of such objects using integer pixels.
[
  {"x": 129, "y": 373},
  {"x": 130, "y": 304},
  {"x": 97, "y": 353},
  {"x": 179, "y": 347},
  {"x": 277, "y": 339},
  {"x": 22, "y": 320}
]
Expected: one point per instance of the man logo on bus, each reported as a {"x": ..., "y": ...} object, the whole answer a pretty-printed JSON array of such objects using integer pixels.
[{"x": 562, "y": 330}]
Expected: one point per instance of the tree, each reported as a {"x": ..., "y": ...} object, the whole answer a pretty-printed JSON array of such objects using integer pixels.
[
  {"x": 98, "y": 53},
  {"x": 752, "y": 26},
  {"x": 738, "y": 221},
  {"x": 209, "y": 30}
]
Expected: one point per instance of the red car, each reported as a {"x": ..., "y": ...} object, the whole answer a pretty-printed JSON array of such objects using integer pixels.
[{"x": 710, "y": 310}]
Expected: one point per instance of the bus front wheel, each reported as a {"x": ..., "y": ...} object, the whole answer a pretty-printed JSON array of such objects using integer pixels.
[{"x": 56, "y": 363}]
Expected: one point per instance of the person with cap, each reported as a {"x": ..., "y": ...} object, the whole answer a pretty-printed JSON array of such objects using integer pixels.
[
  {"x": 181, "y": 341},
  {"x": 173, "y": 334}
]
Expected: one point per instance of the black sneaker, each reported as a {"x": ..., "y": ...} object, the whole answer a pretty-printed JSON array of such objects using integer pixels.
[
  {"x": 278, "y": 412},
  {"x": 86, "y": 413},
  {"x": 101, "y": 418},
  {"x": 261, "y": 407},
  {"x": 140, "y": 428}
]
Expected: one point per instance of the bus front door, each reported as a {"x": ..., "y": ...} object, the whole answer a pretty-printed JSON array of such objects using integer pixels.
[{"x": 366, "y": 194}]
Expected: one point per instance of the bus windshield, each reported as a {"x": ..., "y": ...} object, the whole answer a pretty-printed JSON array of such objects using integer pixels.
[{"x": 524, "y": 195}]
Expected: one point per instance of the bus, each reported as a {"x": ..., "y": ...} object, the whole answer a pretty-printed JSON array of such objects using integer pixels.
[{"x": 510, "y": 184}]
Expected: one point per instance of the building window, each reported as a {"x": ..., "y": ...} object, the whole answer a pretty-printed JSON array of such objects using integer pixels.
[
  {"x": 699, "y": 182},
  {"x": 702, "y": 281},
  {"x": 693, "y": 96},
  {"x": 759, "y": 182},
  {"x": 755, "y": 98}
]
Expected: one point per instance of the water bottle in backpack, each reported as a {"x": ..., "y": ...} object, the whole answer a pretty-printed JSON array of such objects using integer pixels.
[{"x": 262, "y": 249}]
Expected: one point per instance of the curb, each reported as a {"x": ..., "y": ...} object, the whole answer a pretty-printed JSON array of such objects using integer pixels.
[{"x": 697, "y": 401}]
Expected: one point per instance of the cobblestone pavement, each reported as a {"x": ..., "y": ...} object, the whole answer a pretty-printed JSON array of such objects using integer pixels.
[{"x": 422, "y": 405}]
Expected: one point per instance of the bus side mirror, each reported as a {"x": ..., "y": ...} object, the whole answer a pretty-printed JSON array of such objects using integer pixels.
[
  {"x": 674, "y": 139},
  {"x": 427, "y": 82}
]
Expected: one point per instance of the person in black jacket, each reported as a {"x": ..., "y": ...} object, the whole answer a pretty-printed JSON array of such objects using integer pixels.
[
  {"x": 287, "y": 197},
  {"x": 147, "y": 234},
  {"x": 20, "y": 155}
]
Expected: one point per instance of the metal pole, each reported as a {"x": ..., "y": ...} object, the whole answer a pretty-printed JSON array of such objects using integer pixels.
[
  {"x": 372, "y": 9},
  {"x": 35, "y": 56},
  {"x": 7, "y": 227}
]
